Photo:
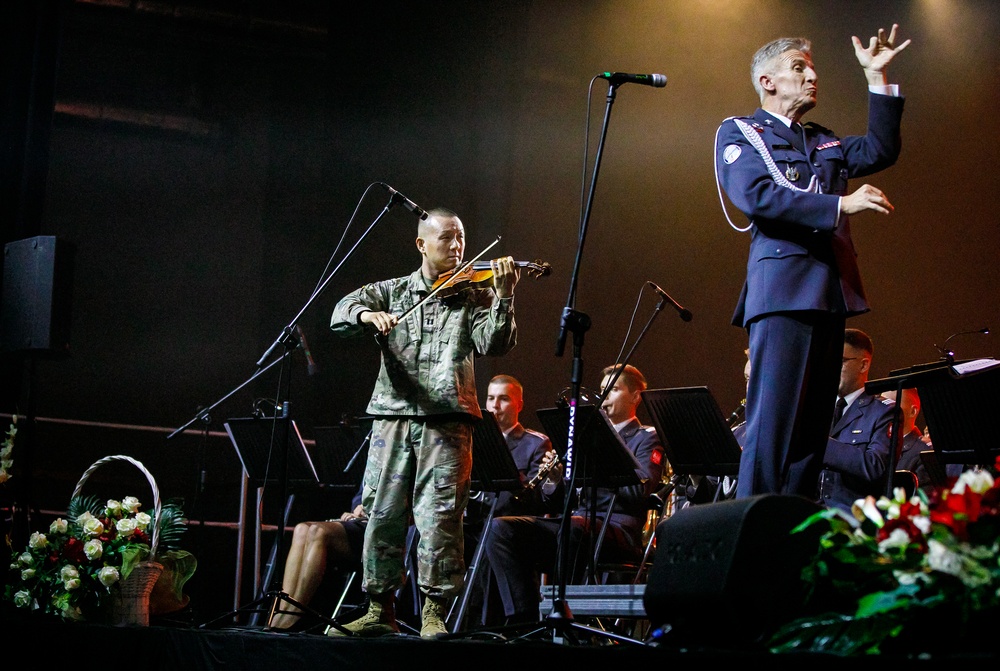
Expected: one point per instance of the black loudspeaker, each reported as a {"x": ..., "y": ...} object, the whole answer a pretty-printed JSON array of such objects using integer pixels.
[
  {"x": 35, "y": 310},
  {"x": 727, "y": 574}
]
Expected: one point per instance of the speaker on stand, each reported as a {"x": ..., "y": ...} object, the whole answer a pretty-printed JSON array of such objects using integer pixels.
[{"x": 34, "y": 324}]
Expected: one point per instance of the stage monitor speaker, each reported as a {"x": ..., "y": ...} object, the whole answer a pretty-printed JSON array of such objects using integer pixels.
[
  {"x": 35, "y": 308},
  {"x": 726, "y": 574}
]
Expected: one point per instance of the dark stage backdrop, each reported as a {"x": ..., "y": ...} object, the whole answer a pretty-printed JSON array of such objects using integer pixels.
[{"x": 208, "y": 161}]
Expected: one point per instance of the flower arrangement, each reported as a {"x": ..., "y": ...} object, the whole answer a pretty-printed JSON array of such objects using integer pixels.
[
  {"x": 73, "y": 570},
  {"x": 903, "y": 574}
]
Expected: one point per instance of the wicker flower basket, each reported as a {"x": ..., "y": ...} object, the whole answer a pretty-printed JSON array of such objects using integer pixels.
[{"x": 130, "y": 598}]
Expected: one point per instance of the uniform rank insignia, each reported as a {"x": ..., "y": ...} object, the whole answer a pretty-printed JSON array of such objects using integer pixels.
[
  {"x": 792, "y": 174},
  {"x": 757, "y": 127},
  {"x": 827, "y": 145},
  {"x": 731, "y": 153}
]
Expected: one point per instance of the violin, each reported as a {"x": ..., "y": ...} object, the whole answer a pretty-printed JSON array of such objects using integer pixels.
[
  {"x": 480, "y": 272},
  {"x": 479, "y": 275}
]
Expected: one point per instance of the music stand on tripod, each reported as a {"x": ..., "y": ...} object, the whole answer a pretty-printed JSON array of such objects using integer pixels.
[
  {"x": 493, "y": 471},
  {"x": 958, "y": 400},
  {"x": 253, "y": 439},
  {"x": 339, "y": 454},
  {"x": 695, "y": 436}
]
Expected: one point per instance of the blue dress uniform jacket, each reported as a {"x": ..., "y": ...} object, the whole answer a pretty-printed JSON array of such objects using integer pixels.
[
  {"x": 628, "y": 516},
  {"x": 527, "y": 447},
  {"x": 857, "y": 455},
  {"x": 801, "y": 253},
  {"x": 802, "y": 279}
]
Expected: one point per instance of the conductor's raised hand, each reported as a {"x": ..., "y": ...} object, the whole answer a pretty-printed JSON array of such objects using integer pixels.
[
  {"x": 505, "y": 276},
  {"x": 881, "y": 49}
]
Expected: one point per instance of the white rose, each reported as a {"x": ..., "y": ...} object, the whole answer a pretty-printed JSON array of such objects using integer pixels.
[
  {"x": 22, "y": 598},
  {"x": 108, "y": 576},
  {"x": 68, "y": 572},
  {"x": 126, "y": 527},
  {"x": 940, "y": 558},
  {"x": 71, "y": 584},
  {"x": 114, "y": 508},
  {"x": 93, "y": 526},
  {"x": 37, "y": 541},
  {"x": 25, "y": 559},
  {"x": 27, "y": 574},
  {"x": 130, "y": 504},
  {"x": 83, "y": 517},
  {"x": 59, "y": 526},
  {"x": 93, "y": 549},
  {"x": 979, "y": 481},
  {"x": 897, "y": 539},
  {"x": 143, "y": 520}
]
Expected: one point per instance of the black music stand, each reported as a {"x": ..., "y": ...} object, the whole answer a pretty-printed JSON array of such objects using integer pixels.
[
  {"x": 339, "y": 453},
  {"x": 494, "y": 471},
  {"x": 695, "y": 435},
  {"x": 958, "y": 400},
  {"x": 253, "y": 439},
  {"x": 251, "y": 436},
  {"x": 603, "y": 460}
]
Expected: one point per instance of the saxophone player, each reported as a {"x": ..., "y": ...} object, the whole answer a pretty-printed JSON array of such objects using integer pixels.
[
  {"x": 520, "y": 548},
  {"x": 505, "y": 400}
]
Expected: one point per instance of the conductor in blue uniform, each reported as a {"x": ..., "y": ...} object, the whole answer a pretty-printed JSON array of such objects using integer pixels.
[{"x": 802, "y": 282}]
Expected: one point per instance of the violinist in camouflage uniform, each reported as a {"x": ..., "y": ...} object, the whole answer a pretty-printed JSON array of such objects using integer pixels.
[
  {"x": 802, "y": 279},
  {"x": 425, "y": 404}
]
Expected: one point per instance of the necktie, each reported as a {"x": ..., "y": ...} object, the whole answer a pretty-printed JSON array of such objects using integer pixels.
[
  {"x": 839, "y": 410},
  {"x": 800, "y": 142}
]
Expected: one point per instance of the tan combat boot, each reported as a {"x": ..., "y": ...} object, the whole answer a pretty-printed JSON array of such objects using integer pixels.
[
  {"x": 432, "y": 617},
  {"x": 380, "y": 620}
]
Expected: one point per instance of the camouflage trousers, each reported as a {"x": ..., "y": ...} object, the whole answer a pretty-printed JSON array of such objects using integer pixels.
[{"x": 418, "y": 468}]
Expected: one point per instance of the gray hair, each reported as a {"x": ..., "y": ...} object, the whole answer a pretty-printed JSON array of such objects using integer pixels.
[{"x": 764, "y": 58}]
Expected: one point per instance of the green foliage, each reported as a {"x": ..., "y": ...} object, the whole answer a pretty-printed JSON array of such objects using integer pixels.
[{"x": 905, "y": 573}]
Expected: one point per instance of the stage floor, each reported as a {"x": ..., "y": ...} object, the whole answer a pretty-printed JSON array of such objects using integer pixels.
[{"x": 190, "y": 648}]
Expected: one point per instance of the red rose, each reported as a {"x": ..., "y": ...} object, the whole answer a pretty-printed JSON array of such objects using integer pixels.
[{"x": 73, "y": 551}]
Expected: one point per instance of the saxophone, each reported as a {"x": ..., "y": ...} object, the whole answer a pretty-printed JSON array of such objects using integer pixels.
[{"x": 543, "y": 471}]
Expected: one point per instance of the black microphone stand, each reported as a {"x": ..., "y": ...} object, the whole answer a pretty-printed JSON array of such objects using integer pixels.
[
  {"x": 560, "y": 619},
  {"x": 619, "y": 368},
  {"x": 275, "y": 595}
]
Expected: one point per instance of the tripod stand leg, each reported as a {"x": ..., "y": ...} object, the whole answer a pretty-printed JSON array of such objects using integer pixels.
[
  {"x": 270, "y": 604},
  {"x": 273, "y": 556},
  {"x": 470, "y": 576}
]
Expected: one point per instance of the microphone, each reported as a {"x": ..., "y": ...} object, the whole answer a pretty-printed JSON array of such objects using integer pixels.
[
  {"x": 397, "y": 197},
  {"x": 949, "y": 355},
  {"x": 683, "y": 312},
  {"x": 737, "y": 413},
  {"x": 310, "y": 363},
  {"x": 616, "y": 78}
]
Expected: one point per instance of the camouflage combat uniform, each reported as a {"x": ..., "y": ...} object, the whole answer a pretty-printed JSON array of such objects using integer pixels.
[{"x": 425, "y": 403}]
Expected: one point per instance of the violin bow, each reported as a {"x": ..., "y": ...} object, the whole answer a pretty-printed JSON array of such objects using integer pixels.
[{"x": 454, "y": 276}]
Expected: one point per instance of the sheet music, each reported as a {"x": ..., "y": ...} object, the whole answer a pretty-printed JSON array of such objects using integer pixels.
[{"x": 974, "y": 365}]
